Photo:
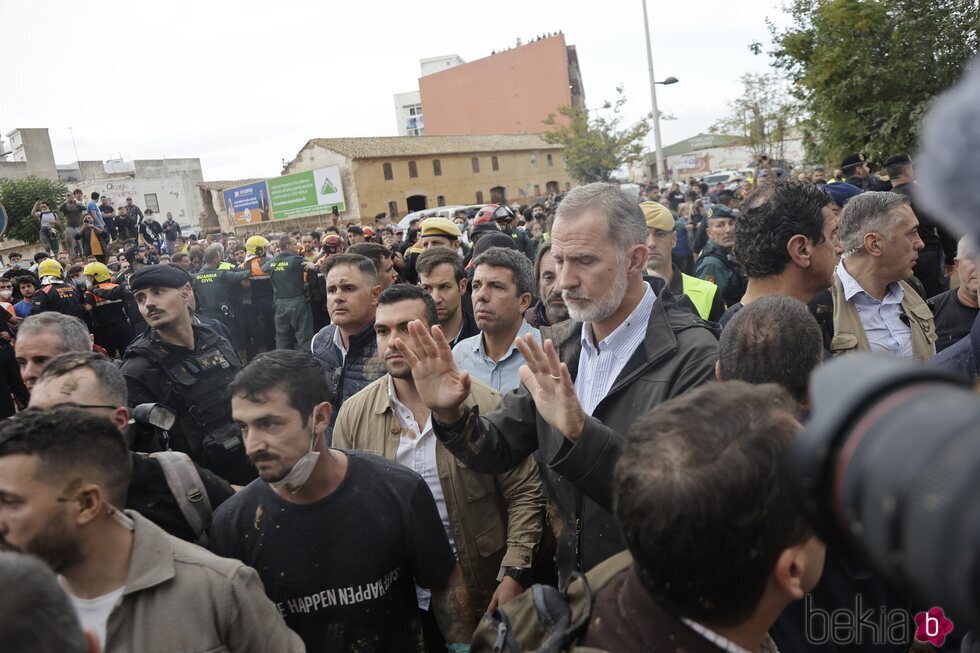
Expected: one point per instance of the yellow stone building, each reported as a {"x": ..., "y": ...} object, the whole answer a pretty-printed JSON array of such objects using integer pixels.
[{"x": 400, "y": 174}]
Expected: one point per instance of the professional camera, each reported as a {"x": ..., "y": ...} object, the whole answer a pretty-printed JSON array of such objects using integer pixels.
[
  {"x": 886, "y": 471},
  {"x": 148, "y": 429}
]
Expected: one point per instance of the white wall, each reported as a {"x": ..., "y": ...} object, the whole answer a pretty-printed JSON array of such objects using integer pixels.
[{"x": 170, "y": 195}]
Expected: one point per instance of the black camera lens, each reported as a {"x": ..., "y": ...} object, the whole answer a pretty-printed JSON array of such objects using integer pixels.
[{"x": 887, "y": 470}]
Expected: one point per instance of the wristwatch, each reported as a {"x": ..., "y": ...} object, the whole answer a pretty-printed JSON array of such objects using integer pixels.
[{"x": 522, "y": 575}]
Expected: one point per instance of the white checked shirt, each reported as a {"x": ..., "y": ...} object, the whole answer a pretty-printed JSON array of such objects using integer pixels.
[{"x": 599, "y": 366}]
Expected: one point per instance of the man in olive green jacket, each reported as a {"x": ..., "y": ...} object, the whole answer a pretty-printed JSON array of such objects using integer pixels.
[{"x": 494, "y": 522}]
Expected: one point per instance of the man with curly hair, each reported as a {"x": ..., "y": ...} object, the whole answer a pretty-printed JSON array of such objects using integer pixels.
[{"x": 788, "y": 240}]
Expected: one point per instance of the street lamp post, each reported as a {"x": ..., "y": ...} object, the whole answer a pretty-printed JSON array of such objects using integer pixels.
[{"x": 661, "y": 171}]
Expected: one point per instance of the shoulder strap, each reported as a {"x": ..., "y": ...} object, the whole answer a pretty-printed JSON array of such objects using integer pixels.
[{"x": 188, "y": 489}]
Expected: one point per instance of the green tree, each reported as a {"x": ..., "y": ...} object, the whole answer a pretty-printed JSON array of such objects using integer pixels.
[
  {"x": 596, "y": 147},
  {"x": 865, "y": 71},
  {"x": 18, "y": 197},
  {"x": 763, "y": 116}
]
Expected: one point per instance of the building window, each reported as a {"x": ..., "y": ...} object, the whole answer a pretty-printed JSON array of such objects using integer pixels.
[
  {"x": 475, "y": 162},
  {"x": 479, "y": 197},
  {"x": 441, "y": 200},
  {"x": 387, "y": 170},
  {"x": 551, "y": 161},
  {"x": 534, "y": 160},
  {"x": 151, "y": 203},
  {"x": 437, "y": 167},
  {"x": 494, "y": 164},
  {"x": 411, "y": 111},
  {"x": 392, "y": 208},
  {"x": 537, "y": 190},
  {"x": 413, "y": 170}
]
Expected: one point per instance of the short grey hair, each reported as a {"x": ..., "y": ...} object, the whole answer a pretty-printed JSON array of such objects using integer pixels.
[
  {"x": 71, "y": 332},
  {"x": 112, "y": 387},
  {"x": 866, "y": 213},
  {"x": 965, "y": 244},
  {"x": 516, "y": 262},
  {"x": 38, "y": 616},
  {"x": 627, "y": 225}
]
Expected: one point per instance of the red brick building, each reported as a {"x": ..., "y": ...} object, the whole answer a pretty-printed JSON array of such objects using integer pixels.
[{"x": 509, "y": 92}]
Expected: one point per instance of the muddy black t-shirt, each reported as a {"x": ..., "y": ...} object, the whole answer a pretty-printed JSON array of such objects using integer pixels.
[{"x": 343, "y": 569}]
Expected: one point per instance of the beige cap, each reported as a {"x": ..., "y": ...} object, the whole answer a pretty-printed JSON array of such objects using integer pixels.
[{"x": 658, "y": 216}]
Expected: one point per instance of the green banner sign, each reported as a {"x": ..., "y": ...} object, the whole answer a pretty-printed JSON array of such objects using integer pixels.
[{"x": 303, "y": 194}]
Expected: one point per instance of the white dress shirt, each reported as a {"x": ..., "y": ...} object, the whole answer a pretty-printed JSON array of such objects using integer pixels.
[{"x": 417, "y": 451}]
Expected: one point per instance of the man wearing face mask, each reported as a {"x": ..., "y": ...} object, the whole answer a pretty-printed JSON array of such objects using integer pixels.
[
  {"x": 54, "y": 294},
  {"x": 339, "y": 538},
  {"x": 103, "y": 301}
]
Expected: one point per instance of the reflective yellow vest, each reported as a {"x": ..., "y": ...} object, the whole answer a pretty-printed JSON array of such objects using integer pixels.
[{"x": 700, "y": 292}]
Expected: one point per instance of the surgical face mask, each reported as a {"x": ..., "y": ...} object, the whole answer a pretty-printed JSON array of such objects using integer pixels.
[
  {"x": 6, "y": 294},
  {"x": 15, "y": 265},
  {"x": 79, "y": 282},
  {"x": 300, "y": 473}
]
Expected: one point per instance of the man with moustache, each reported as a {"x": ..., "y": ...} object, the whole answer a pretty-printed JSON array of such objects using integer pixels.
[
  {"x": 339, "y": 538},
  {"x": 186, "y": 366}
]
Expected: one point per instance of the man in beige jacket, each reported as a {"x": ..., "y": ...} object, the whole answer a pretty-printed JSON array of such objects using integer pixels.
[
  {"x": 388, "y": 418},
  {"x": 875, "y": 308},
  {"x": 133, "y": 586}
]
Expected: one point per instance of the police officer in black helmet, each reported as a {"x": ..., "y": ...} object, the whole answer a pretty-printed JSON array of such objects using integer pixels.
[{"x": 187, "y": 367}]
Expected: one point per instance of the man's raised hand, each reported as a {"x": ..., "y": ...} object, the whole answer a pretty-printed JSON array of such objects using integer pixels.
[{"x": 440, "y": 384}]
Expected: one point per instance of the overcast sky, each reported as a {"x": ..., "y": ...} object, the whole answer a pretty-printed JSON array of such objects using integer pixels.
[{"x": 243, "y": 85}]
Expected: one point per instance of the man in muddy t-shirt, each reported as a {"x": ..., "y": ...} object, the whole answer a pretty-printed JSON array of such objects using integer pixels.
[{"x": 339, "y": 538}]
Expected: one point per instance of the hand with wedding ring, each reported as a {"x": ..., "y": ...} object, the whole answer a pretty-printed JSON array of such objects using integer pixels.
[{"x": 551, "y": 387}]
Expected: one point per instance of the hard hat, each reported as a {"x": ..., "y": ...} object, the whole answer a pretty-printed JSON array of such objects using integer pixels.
[
  {"x": 256, "y": 246},
  {"x": 485, "y": 214},
  {"x": 50, "y": 267},
  {"x": 97, "y": 270}
]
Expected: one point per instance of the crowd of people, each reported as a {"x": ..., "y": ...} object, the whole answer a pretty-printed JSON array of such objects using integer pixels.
[{"x": 364, "y": 438}]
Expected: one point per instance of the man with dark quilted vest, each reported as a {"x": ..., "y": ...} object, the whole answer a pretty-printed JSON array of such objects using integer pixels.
[{"x": 346, "y": 348}]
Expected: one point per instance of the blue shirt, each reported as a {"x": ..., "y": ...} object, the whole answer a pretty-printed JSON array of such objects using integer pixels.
[
  {"x": 599, "y": 366},
  {"x": 22, "y": 308},
  {"x": 882, "y": 320},
  {"x": 93, "y": 209},
  {"x": 503, "y": 375}
]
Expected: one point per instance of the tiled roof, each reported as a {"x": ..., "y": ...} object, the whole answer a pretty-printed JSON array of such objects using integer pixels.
[
  {"x": 222, "y": 185},
  {"x": 394, "y": 146}
]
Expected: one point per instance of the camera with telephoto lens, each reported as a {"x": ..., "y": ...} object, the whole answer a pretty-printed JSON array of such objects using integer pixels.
[{"x": 886, "y": 472}]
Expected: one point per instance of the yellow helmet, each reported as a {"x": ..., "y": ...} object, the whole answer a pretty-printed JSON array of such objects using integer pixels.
[
  {"x": 97, "y": 270},
  {"x": 50, "y": 267},
  {"x": 256, "y": 246}
]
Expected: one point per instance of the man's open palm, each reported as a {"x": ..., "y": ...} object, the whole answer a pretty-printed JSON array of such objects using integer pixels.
[{"x": 440, "y": 384}]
